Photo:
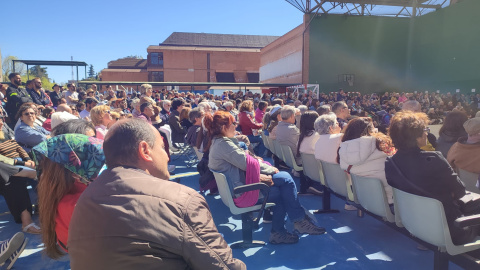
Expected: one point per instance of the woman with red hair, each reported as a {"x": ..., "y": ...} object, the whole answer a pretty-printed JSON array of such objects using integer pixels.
[{"x": 241, "y": 168}]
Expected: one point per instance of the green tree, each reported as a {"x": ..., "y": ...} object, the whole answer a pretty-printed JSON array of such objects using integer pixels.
[
  {"x": 91, "y": 72},
  {"x": 7, "y": 66},
  {"x": 38, "y": 71}
]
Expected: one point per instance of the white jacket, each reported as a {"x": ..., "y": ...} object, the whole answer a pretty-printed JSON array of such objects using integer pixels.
[{"x": 366, "y": 160}]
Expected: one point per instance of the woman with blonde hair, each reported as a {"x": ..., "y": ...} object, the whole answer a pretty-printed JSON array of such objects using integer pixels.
[
  {"x": 100, "y": 118},
  {"x": 146, "y": 90}
]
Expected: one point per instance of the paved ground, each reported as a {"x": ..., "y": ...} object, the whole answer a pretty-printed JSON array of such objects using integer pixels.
[{"x": 350, "y": 242}]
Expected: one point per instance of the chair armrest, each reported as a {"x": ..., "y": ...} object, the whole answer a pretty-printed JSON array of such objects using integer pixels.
[
  {"x": 250, "y": 187},
  {"x": 468, "y": 221}
]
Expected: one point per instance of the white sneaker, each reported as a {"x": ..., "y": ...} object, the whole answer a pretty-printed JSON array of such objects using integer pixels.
[
  {"x": 171, "y": 168},
  {"x": 349, "y": 207}
]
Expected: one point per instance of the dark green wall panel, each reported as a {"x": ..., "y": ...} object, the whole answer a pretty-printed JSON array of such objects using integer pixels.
[{"x": 435, "y": 51}]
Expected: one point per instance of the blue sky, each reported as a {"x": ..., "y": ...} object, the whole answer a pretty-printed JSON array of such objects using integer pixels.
[{"x": 97, "y": 32}]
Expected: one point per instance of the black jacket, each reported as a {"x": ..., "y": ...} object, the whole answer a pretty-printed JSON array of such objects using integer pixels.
[
  {"x": 430, "y": 172},
  {"x": 15, "y": 98}
]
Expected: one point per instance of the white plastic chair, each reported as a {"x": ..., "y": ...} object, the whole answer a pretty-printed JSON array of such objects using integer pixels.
[
  {"x": 312, "y": 168},
  {"x": 469, "y": 179},
  {"x": 289, "y": 158},
  {"x": 370, "y": 194},
  {"x": 336, "y": 178},
  {"x": 248, "y": 222},
  {"x": 278, "y": 150},
  {"x": 425, "y": 218}
]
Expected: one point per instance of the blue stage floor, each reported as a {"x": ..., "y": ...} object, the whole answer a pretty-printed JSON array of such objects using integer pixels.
[{"x": 350, "y": 242}]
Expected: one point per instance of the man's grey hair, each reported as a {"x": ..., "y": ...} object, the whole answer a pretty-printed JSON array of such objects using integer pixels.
[
  {"x": 287, "y": 112},
  {"x": 303, "y": 109},
  {"x": 228, "y": 104},
  {"x": 195, "y": 113},
  {"x": 412, "y": 105},
  {"x": 337, "y": 106},
  {"x": 133, "y": 131},
  {"x": 204, "y": 106},
  {"x": 135, "y": 102},
  {"x": 324, "y": 122},
  {"x": 297, "y": 103}
]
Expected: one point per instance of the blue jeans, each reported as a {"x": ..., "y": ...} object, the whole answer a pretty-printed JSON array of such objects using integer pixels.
[
  {"x": 260, "y": 149},
  {"x": 284, "y": 194}
]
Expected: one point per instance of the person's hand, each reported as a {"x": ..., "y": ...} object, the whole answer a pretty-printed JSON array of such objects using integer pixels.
[
  {"x": 275, "y": 170},
  {"x": 266, "y": 179},
  {"x": 30, "y": 164}
]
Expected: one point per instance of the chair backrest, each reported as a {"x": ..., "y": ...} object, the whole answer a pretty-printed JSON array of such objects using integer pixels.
[
  {"x": 336, "y": 178},
  {"x": 423, "y": 217},
  {"x": 168, "y": 131},
  {"x": 289, "y": 158},
  {"x": 226, "y": 195},
  {"x": 198, "y": 153},
  {"x": 312, "y": 168},
  {"x": 469, "y": 179},
  {"x": 371, "y": 196},
  {"x": 270, "y": 144},
  {"x": 278, "y": 150}
]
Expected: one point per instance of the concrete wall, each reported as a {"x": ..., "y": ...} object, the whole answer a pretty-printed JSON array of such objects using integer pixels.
[
  {"x": 447, "y": 49},
  {"x": 437, "y": 51},
  {"x": 374, "y": 49},
  {"x": 281, "y": 60}
]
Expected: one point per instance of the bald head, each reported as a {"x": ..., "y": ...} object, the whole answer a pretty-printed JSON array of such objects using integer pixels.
[{"x": 64, "y": 108}]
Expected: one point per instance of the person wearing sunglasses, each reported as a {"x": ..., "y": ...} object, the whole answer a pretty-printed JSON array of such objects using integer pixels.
[
  {"x": 27, "y": 134},
  {"x": 100, "y": 116}
]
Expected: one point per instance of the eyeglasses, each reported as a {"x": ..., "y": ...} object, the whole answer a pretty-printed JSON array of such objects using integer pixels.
[
  {"x": 29, "y": 113},
  {"x": 427, "y": 129},
  {"x": 107, "y": 112},
  {"x": 117, "y": 119}
]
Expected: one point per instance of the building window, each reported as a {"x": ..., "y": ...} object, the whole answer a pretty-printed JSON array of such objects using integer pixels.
[
  {"x": 156, "y": 76},
  {"x": 225, "y": 77},
  {"x": 156, "y": 59},
  {"x": 253, "y": 77}
]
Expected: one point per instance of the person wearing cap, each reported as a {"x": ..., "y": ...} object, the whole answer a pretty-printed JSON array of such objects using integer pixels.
[
  {"x": 55, "y": 95},
  {"x": 89, "y": 104},
  {"x": 465, "y": 153},
  {"x": 70, "y": 162}
]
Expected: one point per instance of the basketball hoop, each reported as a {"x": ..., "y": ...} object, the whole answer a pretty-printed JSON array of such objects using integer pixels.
[{"x": 350, "y": 82}]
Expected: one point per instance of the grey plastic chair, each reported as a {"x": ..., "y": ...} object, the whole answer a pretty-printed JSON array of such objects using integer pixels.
[
  {"x": 312, "y": 168},
  {"x": 248, "y": 221},
  {"x": 336, "y": 178},
  {"x": 370, "y": 194},
  {"x": 289, "y": 158},
  {"x": 469, "y": 179},
  {"x": 278, "y": 150},
  {"x": 270, "y": 144},
  {"x": 425, "y": 218}
]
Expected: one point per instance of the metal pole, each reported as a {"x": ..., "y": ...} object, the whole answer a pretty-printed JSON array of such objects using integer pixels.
[
  {"x": 28, "y": 73},
  {"x": 13, "y": 64},
  {"x": 77, "y": 74}
]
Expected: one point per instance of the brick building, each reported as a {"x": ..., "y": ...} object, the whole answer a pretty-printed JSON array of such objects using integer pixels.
[{"x": 194, "y": 57}]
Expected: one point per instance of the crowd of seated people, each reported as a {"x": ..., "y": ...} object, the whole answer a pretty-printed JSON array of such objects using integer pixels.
[{"x": 362, "y": 133}]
